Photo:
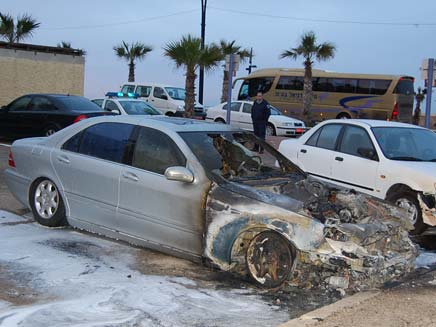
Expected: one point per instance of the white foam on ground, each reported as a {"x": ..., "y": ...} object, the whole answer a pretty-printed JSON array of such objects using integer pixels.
[{"x": 83, "y": 281}]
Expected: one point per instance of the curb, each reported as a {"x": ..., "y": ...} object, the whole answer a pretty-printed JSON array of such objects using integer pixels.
[{"x": 313, "y": 317}]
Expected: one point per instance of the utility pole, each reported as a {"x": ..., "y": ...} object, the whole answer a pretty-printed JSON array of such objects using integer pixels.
[
  {"x": 429, "y": 91},
  {"x": 250, "y": 66},
  {"x": 203, "y": 32}
]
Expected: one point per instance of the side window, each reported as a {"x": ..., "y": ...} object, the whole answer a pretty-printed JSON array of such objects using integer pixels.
[
  {"x": 41, "y": 104},
  {"x": 143, "y": 91},
  {"x": 20, "y": 104},
  {"x": 369, "y": 86},
  {"x": 158, "y": 92},
  {"x": 328, "y": 136},
  {"x": 128, "y": 88},
  {"x": 353, "y": 139},
  {"x": 235, "y": 106},
  {"x": 98, "y": 102},
  {"x": 247, "y": 108},
  {"x": 314, "y": 138},
  {"x": 290, "y": 83},
  {"x": 73, "y": 143},
  {"x": 105, "y": 141},
  {"x": 110, "y": 105},
  {"x": 155, "y": 152},
  {"x": 322, "y": 84}
]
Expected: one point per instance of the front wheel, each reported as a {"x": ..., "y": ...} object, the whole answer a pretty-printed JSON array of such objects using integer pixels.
[
  {"x": 408, "y": 201},
  {"x": 47, "y": 204},
  {"x": 270, "y": 130},
  {"x": 269, "y": 259}
]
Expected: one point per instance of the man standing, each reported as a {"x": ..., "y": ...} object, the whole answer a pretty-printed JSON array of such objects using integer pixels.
[{"x": 260, "y": 113}]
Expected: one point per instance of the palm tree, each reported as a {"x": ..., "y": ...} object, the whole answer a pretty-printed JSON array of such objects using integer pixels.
[
  {"x": 310, "y": 50},
  {"x": 132, "y": 52},
  {"x": 228, "y": 48},
  {"x": 419, "y": 97},
  {"x": 15, "y": 31},
  {"x": 65, "y": 45},
  {"x": 188, "y": 53}
]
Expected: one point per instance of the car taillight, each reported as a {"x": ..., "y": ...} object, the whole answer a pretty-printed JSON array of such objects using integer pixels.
[
  {"x": 299, "y": 130},
  {"x": 394, "y": 115},
  {"x": 11, "y": 161},
  {"x": 79, "y": 118}
]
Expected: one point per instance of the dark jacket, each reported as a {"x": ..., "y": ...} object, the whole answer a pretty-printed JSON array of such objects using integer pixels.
[{"x": 260, "y": 112}]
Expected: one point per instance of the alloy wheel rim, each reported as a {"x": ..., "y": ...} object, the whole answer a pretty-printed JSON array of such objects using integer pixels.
[
  {"x": 50, "y": 131},
  {"x": 410, "y": 208},
  {"x": 46, "y": 199},
  {"x": 269, "y": 131}
]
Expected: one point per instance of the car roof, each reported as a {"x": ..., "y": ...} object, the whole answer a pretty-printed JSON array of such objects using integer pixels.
[
  {"x": 152, "y": 84},
  {"x": 371, "y": 123},
  {"x": 166, "y": 123}
]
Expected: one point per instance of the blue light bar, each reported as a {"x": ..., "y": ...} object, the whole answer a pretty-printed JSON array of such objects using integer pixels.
[{"x": 122, "y": 95}]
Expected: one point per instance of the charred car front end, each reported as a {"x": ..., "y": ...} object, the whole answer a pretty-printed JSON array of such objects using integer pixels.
[{"x": 268, "y": 220}]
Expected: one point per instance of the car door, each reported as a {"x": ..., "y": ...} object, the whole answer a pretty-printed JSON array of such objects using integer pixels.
[
  {"x": 245, "y": 121},
  {"x": 356, "y": 162},
  {"x": 89, "y": 167},
  {"x": 235, "y": 114},
  {"x": 159, "y": 99},
  {"x": 111, "y": 106},
  {"x": 154, "y": 208},
  {"x": 144, "y": 92},
  {"x": 317, "y": 154},
  {"x": 41, "y": 113},
  {"x": 12, "y": 117}
]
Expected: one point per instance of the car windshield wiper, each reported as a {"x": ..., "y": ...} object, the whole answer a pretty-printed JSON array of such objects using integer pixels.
[{"x": 405, "y": 158}]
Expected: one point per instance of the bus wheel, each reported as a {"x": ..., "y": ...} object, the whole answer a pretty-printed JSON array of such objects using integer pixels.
[{"x": 343, "y": 115}]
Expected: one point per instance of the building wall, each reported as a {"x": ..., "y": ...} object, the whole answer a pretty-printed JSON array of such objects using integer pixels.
[{"x": 23, "y": 72}]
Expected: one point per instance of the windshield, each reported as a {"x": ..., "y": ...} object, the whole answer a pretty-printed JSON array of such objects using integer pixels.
[
  {"x": 405, "y": 86},
  {"x": 274, "y": 111},
  {"x": 231, "y": 155},
  {"x": 407, "y": 144},
  {"x": 138, "y": 108},
  {"x": 176, "y": 93}
]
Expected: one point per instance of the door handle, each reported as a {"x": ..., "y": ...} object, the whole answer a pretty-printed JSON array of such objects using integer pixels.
[
  {"x": 130, "y": 176},
  {"x": 303, "y": 150},
  {"x": 64, "y": 159},
  {"x": 339, "y": 159}
]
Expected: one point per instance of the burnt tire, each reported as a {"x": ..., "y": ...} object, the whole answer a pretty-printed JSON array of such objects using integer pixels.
[
  {"x": 46, "y": 203},
  {"x": 269, "y": 259},
  {"x": 408, "y": 201}
]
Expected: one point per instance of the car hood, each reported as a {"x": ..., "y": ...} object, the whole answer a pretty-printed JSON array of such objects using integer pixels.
[{"x": 421, "y": 167}]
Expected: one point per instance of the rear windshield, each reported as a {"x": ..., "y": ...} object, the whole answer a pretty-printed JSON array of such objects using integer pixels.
[
  {"x": 77, "y": 103},
  {"x": 405, "y": 86}
]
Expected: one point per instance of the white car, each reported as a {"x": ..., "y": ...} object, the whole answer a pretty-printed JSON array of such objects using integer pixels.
[
  {"x": 168, "y": 99},
  {"x": 391, "y": 161},
  {"x": 240, "y": 116},
  {"x": 124, "y": 104}
]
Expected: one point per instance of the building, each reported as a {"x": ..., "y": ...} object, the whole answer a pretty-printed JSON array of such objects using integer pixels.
[{"x": 28, "y": 68}]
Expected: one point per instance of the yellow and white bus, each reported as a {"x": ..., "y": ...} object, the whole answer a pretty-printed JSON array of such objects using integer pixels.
[{"x": 335, "y": 95}]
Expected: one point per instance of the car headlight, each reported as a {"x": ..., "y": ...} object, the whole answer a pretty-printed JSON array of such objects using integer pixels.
[
  {"x": 287, "y": 124},
  {"x": 180, "y": 108}
]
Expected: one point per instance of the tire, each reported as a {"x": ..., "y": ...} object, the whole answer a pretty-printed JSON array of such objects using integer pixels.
[
  {"x": 220, "y": 120},
  {"x": 269, "y": 259},
  {"x": 169, "y": 114},
  {"x": 343, "y": 115},
  {"x": 51, "y": 129},
  {"x": 270, "y": 130},
  {"x": 408, "y": 200},
  {"x": 47, "y": 204}
]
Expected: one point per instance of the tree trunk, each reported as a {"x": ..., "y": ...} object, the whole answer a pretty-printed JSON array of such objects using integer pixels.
[
  {"x": 307, "y": 90},
  {"x": 225, "y": 87},
  {"x": 131, "y": 71},
  {"x": 190, "y": 91}
]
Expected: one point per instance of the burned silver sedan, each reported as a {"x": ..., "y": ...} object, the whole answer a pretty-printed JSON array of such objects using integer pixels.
[{"x": 197, "y": 190}]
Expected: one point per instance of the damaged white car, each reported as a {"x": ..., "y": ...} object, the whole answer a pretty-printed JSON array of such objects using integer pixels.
[{"x": 196, "y": 190}]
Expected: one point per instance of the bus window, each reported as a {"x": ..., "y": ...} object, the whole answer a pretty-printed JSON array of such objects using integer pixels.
[
  {"x": 290, "y": 83},
  {"x": 322, "y": 84},
  {"x": 371, "y": 86},
  {"x": 251, "y": 86},
  {"x": 405, "y": 86}
]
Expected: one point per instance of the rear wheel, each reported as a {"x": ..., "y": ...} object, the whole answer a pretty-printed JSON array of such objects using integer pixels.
[
  {"x": 270, "y": 130},
  {"x": 220, "y": 120},
  {"x": 46, "y": 203},
  {"x": 269, "y": 259},
  {"x": 343, "y": 115},
  {"x": 408, "y": 201},
  {"x": 51, "y": 129}
]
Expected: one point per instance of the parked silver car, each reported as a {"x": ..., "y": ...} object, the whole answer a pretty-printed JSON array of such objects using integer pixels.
[{"x": 196, "y": 190}]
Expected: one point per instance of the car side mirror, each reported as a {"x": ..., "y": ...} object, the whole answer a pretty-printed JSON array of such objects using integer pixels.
[
  {"x": 180, "y": 174},
  {"x": 116, "y": 111},
  {"x": 164, "y": 97},
  {"x": 367, "y": 153}
]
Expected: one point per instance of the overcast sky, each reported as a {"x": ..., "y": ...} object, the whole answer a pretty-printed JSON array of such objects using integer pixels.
[{"x": 98, "y": 25}]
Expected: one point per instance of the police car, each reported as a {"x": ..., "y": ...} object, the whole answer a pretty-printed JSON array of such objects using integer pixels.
[{"x": 125, "y": 104}]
